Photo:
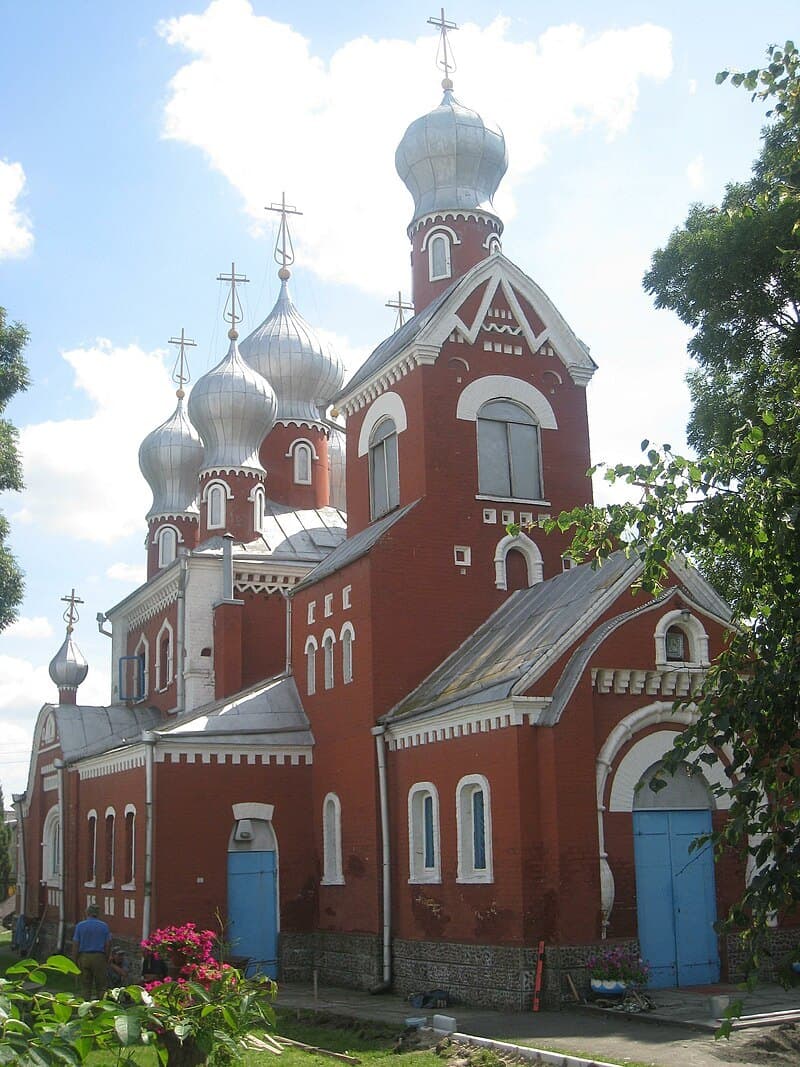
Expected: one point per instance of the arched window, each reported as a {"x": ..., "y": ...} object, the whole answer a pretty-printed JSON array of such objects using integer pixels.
[
  {"x": 164, "y": 661},
  {"x": 347, "y": 636},
  {"x": 215, "y": 503},
  {"x": 328, "y": 641},
  {"x": 167, "y": 539},
  {"x": 681, "y": 638},
  {"x": 91, "y": 847},
  {"x": 508, "y": 451},
  {"x": 384, "y": 477},
  {"x": 474, "y": 829},
  {"x": 439, "y": 257},
  {"x": 51, "y": 847},
  {"x": 311, "y": 665},
  {"x": 259, "y": 508},
  {"x": 140, "y": 685},
  {"x": 517, "y": 562},
  {"x": 130, "y": 845},
  {"x": 108, "y": 872},
  {"x": 302, "y": 463},
  {"x": 516, "y": 570},
  {"x": 494, "y": 244},
  {"x": 332, "y": 841},
  {"x": 424, "y": 864}
]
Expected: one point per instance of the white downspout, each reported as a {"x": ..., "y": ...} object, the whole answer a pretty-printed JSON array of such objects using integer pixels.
[
  {"x": 380, "y": 749},
  {"x": 22, "y": 886},
  {"x": 149, "y": 740},
  {"x": 180, "y": 650},
  {"x": 59, "y": 766},
  {"x": 288, "y": 633}
]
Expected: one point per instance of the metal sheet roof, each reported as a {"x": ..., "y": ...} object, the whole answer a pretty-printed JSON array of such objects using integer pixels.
[
  {"x": 289, "y": 534},
  {"x": 85, "y": 730}
]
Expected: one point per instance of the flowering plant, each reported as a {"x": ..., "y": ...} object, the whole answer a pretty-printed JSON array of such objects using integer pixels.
[{"x": 619, "y": 964}]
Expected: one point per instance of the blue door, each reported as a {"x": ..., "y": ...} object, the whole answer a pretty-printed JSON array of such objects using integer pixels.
[
  {"x": 676, "y": 898},
  {"x": 252, "y": 910}
]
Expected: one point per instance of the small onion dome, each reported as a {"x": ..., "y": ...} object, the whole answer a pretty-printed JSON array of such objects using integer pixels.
[
  {"x": 451, "y": 160},
  {"x": 68, "y": 668},
  {"x": 170, "y": 459},
  {"x": 233, "y": 408},
  {"x": 337, "y": 460},
  {"x": 304, "y": 372}
]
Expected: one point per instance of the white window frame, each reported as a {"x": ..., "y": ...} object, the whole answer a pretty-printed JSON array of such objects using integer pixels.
[
  {"x": 529, "y": 549},
  {"x": 526, "y": 419},
  {"x": 223, "y": 490},
  {"x": 130, "y": 810},
  {"x": 51, "y": 848},
  {"x": 161, "y": 683},
  {"x": 346, "y": 597},
  {"x": 694, "y": 632},
  {"x": 467, "y": 872},
  {"x": 332, "y": 870},
  {"x": 328, "y": 643},
  {"x": 347, "y": 636},
  {"x": 258, "y": 496},
  {"x": 417, "y": 871},
  {"x": 162, "y": 537},
  {"x": 92, "y": 814},
  {"x": 143, "y": 648},
  {"x": 302, "y": 446},
  {"x": 310, "y": 650},
  {"x": 380, "y": 453},
  {"x": 328, "y": 609},
  {"x": 112, "y": 866},
  {"x": 439, "y": 240}
]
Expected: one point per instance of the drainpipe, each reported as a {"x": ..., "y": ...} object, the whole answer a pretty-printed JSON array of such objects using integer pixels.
[
  {"x": 180, "y": 650},
  {"x": 378, "y": 733},
  {"x": 288, "y": 633},
  {"x": 22, "y": 887},
  {"x": 227, "y": 566},
  {"x": 149, "y": 741},
  {"x": 59, "y": 766}
]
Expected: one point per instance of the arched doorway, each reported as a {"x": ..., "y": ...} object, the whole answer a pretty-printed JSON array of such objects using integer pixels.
[
  {"x": 253, "y": 889},
  {"x": 675, "y": 889}
]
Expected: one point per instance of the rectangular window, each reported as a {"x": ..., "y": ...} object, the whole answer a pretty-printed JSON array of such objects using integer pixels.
[
  {"x": 346, "y": 597},
  {"x": 310, "y": 612},
  {"x": 478, "y": 831},
  {"x": 328, "y": 604},
  {"x": 430, "y": 855}
]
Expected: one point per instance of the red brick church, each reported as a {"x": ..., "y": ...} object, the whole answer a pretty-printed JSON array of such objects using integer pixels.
[{"x": 350, "y": 713}]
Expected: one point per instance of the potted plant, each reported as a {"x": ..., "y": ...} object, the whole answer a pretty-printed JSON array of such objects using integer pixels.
[{"x": 615, "y": 970}]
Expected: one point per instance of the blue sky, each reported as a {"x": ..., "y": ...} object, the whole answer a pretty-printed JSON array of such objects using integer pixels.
[{"x": 140, "y": 142}]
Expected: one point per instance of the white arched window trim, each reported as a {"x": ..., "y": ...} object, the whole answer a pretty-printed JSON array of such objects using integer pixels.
[
  {"x": 163, "y": 683},
  {"x": 440, "y": 228},
  {"x": 167, "y": 538},
  {"x": 646, "y": 752},
  {"x": 258, "y": 498},
  {"x": 504, "y": 387},
  {"x": 143, "y": 650},
  {"x": 222, "y": 492},
  {"x": 91, "y": 867},
  {"x": 388, "y": 405},
  {"x": 109, "y": 858},
  {"x": 440, "y": 257},
  {"x": 694, "y": 632},
  {"x": 328, "y": 642},
  {"x": 424, "y": 856},
  {"x": 332, "y": 870},
  {"x": 529, "y": 549},
  {"x": 51, "y": 847},
  {"x": 130, "y": 809},
  {"x": 469, "y": 864},
  {"x": 311, "y": 664},
  {"x": 347, "y": 636}
]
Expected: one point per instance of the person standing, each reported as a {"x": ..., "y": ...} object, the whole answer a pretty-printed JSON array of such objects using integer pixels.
[{"x": 91, "y": 942}]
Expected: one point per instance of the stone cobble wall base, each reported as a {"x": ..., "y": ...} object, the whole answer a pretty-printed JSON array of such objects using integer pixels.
[
  {"x": 779, "y": 943},
  {"x": 349, "y": 960}
]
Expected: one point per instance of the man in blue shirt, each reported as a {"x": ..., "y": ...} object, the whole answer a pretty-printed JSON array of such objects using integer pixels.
[{"x": 91, "y": 942}]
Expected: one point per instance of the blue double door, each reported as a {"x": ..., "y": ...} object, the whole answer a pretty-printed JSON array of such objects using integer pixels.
[
  {"x": 252, "y": 910},
  {"x": 676, "y": 898}
]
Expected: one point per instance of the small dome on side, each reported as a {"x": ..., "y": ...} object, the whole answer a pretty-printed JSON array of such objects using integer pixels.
[{"x": 170, "y": 458}]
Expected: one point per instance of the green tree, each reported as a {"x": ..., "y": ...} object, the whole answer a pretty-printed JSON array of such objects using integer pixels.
[
  {"x": 732, "y": 274},
  {"x": 13, "y": 379},
  {"x": 5, "y": 851}
]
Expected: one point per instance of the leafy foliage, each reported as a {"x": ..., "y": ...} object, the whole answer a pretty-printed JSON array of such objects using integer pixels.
[
  {"x": 5, "y": 851},
  {"x": 733, "y": 275},
  {"x": 13, "y": 379}
]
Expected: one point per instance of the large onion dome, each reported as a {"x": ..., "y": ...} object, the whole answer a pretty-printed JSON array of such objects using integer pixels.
[
  {"x": 170, "y": 459},
  {"x": 451, "y": 159},
  {"x": 233, "y": 408},
  {"x": 304, "y": 372},
  {"x": 68, "y": 668}
]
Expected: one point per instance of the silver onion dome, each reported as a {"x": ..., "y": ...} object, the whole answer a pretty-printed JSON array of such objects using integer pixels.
[
  {"x": 68, "y": 668},
  {"x": 233, "y": 408},
  {"x": 451, "y": 159},
  {"x": 305, "y": 373},
  {"x": 170, "y": 459},
  {"x": 337, "y": 461}
]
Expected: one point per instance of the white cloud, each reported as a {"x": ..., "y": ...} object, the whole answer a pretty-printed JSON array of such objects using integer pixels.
[
  {"x": 29, "y": 629},
  {"x": 16, "y": 234},
  {"x": 23, "y": 685},
  {"x": 132, "y": 573},
  {"x": 81, "y": 475},
  {"x": 270, "y": 115},
  {"x": 692, "y": 86},
  {"x": 696, "y": 172}
]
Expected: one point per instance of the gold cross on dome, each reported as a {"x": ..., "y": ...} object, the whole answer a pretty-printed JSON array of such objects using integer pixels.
[
  {"x": 400, "y": 306},
  {"x": 233, "y": 316},
  {"x": 284, "y": 249},
  {"x": 180, "y": 372},
  {"x": 444, "y": 57},
  {"x": 71, "y": 614}
]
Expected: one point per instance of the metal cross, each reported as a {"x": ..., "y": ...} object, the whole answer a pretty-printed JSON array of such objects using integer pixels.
[
  {"x": 446, "y": 62},
  {"x": 400, "y": 306},
  {"x": 284, "y": 249},
  {"x": 71, "y": 615},
  {"x": 233, "y": 301},
  {"x": 180, "y": 372}
]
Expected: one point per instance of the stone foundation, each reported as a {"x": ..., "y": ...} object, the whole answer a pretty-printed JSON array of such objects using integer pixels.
[
  {"x": 779, "y": 943},
  {"x": 350, "y": 960}
]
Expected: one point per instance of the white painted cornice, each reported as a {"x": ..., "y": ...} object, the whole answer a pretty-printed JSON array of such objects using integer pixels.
[{"x": 454, "y": 722}]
